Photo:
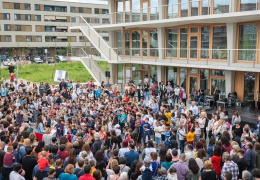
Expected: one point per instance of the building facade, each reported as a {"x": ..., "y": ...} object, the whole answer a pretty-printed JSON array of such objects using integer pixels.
[
  {"x": 30, "y": 27},
  {"x": 194, "y": 43}
]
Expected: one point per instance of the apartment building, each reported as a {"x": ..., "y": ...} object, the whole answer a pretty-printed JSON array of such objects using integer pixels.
[
  {"x": 193, "y": 43},
  {"x": 31, "y": 26}
]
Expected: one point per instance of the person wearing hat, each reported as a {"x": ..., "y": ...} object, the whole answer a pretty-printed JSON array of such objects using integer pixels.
[
  {"x": 97, "y": 144},
  {"x": 146, "y": 170}
]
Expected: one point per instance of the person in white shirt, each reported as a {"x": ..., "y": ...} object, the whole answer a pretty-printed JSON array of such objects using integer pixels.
[
  {"x": 17, "y": 173},
  {"x": 158, "y": 136},
  {"x": 194, "y": 108},
  {"x": 177, "y": 94}
]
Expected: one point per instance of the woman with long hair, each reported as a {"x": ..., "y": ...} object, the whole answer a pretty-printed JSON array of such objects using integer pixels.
[
  {"x": 39, "y": 131},
  {"x": 149, "y": 149},
  {"x": 97, "y": 174},
  {"x": 226, "y": 144},
  {"x": 194, "y": 169},
  {"x": 101, "y": 165},
  {"x": 216, "y": 159},
  {"x": 72, "y": 158},
  {"x": 86, "y": 148},
  {"x": 114, "y": 140}
]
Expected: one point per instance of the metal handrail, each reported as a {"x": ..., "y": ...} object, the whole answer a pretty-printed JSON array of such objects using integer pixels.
[{"x": 96, "y": 66}]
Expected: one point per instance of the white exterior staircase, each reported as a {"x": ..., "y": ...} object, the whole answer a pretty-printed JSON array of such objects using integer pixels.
[
  {"x": 97, "y": 41},
  {"x": 93, "y": 68}
]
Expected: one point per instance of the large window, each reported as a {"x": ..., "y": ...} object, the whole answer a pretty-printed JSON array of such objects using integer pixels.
[
  {"x": 16, "y": 5},
  {"x": 8, "y": 38},
  {"x": 248, "y": 5},
  {"x": 127, "y": 43},
  {"x": 153, "y": 43},
  {"x": 119, "y": 11},
  {"x": 184, "y": 8},
  {"x": 221, "y": 6},
  {"x": 204, "y": 53},
  {"x": 136, "y": 43},
  {"x": 6, "y": 16},
  {"x": 247, "y": 42},
  {"x": 37, "y": 7},
  {"x": 7, "y": 27},
  {"x": 219, "y": 44},
  {"x": 183, "y": 42},
  {"x": 27, "y": 17},
  {"x": 17, "y": 16},
  {"x": 172, "y": 42},
  {"x": 136, "y": 10},
  {"x": 27, "y": 6},
  {"x": 172, "y": 9},
  {"x": 171, "y": 74},
  {"x": 249, "y": 86},
  {"x": 17, "y": 28},
  {"x": 197, "y": 42},
  {"x": 37, "y": 17}
]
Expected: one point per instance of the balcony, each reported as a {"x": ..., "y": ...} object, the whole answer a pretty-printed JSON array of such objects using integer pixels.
[{"x": 228, "y": 59}]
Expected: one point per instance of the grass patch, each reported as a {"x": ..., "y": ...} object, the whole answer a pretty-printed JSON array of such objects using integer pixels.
[
  {"x": 45, "y": 72},
  {"x": 103, "y": 65}
]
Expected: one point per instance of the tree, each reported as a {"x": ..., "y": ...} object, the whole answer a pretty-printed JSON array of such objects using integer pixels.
[{"x": 68, "y": 49}]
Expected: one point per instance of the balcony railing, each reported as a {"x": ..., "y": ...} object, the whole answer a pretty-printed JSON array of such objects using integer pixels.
[
  {"x": 218, "y": 57},
  {"x": 178, "y": 10}
]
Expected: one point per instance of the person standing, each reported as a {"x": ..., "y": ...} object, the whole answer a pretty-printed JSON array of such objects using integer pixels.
[
  {"x": 250, "y": 157},
  {"x": 181, "y": 167},
  {"x": 183, "y": 96},
  {"x": 229, "y": 166},
  {"x": 216, "y": 95},
  {"x": 146, "y": 92},
  {"x": 139, "y": 90},
  {"x": 97, "y": 144},
  {"x": 177, "y": 94},
  {"x": 182, "y": 137},
  {"x": 11, "y": 69},
  {"x": 28, "y": 162}
]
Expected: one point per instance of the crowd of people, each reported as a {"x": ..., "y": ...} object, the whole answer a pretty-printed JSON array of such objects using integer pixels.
[{"x": 87, "y": 132}]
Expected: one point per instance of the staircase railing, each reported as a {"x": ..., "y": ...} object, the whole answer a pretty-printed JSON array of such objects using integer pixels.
[
  {"x": 92, "y": 65},
  {"x": 107, "y": 52}
]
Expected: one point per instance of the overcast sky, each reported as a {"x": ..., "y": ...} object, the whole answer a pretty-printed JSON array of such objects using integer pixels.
[{"x": 87, "y": 1}]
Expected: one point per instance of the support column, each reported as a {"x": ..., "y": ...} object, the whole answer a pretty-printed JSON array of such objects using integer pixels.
[
  {"x": 161, "y": 34},
  {"x": 160, "y": 73},
  {"x": 160, "y": 9},
  {"x": 233, "y": 6},
  {"x": 229, "y": 81},
  {"x": 111, "y": 12},
  {"x": 231, "y": 41},
  {"x": 113, "y": 73}
]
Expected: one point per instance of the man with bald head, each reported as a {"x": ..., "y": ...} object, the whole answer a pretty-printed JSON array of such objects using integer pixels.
[{"x": 22, "y": 152}]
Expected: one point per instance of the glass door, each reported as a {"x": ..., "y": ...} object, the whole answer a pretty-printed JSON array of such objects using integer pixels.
[
  {"x": 144, "y": 43},
  {"x": 145, "y": 10},
  {"x": 193, "y": 84},
  {"x": 194, "y": 47},
  {"x": 136, "y": 76}
]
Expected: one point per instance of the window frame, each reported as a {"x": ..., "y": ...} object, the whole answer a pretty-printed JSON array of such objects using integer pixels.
[
  {"x": 17, "y": 5},
  {"x": 17, "y": 27}
]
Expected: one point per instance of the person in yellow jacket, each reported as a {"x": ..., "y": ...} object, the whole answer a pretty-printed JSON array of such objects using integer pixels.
[
  {"x": 190, "y": 136},
  {"x": 168, "y": 114}
]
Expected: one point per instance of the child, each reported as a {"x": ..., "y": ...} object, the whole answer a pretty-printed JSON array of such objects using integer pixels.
[
  {"x": 172, "y": 175},
  {"x": 9, "y": 159},
  {"x": 12, "y": 77},
  {"x": 146, "y": 170},
  {"x": 43, "y": 162},
  {"x": 146, "y": 135},
  {"x": 167, "y": 136},
  {"x": 60, "y": 127},
  {"x": 190, "y": 136},
  {"x": 197, "y": 132},
  {"x": 158, "y": 138},
  {"x": 163, "y": 131}
]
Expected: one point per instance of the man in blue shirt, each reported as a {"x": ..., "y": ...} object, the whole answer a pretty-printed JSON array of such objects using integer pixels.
[
  {"x": 98, "y": 92},
  {"x": 131, "y": 155}
]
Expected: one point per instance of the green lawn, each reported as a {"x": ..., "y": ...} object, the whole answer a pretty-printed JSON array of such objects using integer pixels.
[
  {"x": 103, "y": 65},
  {"x": 45, "y": 72}
]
